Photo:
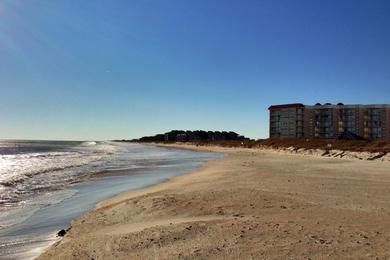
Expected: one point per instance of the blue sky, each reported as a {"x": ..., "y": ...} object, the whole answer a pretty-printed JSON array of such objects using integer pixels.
[{"x": 123, "y": 69}]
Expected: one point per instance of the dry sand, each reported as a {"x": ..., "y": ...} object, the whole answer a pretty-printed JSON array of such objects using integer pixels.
[{"x": 251, "y": 204}]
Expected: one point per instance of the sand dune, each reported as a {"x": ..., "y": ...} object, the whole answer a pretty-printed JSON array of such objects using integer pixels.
[{"x": 251, "y": 204}]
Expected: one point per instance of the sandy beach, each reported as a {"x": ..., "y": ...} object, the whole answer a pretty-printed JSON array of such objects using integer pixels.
[{"x": 250, "y": 204}]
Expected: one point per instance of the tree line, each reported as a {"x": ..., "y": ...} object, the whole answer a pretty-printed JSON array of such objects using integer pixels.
[{"x": 190, "y": 136}]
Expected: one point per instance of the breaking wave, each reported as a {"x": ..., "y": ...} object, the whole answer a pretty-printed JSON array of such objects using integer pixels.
[
  {"x": 88, "y": 143},
  {"x": 31, "y": 172}
]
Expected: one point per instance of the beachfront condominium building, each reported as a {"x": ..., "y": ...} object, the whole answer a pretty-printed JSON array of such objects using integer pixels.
[
  {"x": 370, "y": 122},
  {"x": 287, "y": 121}
]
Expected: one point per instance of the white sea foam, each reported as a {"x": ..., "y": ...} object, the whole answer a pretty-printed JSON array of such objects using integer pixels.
[
  {"x": 28, "y": 175},
  {"x": 88, "y": 143}
]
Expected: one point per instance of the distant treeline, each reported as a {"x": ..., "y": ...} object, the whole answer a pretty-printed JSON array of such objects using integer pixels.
[{"x": 192, "y": 136}]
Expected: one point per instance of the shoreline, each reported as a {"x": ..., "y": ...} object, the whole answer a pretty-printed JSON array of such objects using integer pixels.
[
  {"x": 123, "y": 196},
  {"x": 27, "y": 238},
  {"x": 150, "y": 215}
]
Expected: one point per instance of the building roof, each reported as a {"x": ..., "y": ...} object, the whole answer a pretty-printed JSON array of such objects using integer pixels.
[
  {"x": 327, "y": 106},
  {"x": 294, "y": 105}
]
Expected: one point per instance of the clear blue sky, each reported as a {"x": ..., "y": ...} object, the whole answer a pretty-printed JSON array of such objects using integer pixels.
[{"x": 122, "y": 69}]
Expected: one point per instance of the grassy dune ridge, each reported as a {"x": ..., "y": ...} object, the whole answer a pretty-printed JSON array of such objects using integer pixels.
[{"x": 325, "y": 144}]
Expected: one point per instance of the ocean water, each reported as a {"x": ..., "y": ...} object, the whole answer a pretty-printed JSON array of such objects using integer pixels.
[{"x": 46, "y": 184}]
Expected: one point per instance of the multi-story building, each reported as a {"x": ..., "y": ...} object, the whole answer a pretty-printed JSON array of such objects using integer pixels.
[
  {"x": 376, "y": 122},
  {"x": 286, "y": 121},
  {"x": 330, "y": 121}
]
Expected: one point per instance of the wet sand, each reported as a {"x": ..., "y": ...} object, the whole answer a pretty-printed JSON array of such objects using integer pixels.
[{"x": 251, "y": 204}]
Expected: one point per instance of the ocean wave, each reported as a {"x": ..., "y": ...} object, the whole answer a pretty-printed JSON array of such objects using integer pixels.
[
  {"x": 88, "y": 143},
  {"x": 38, "y": 155},
  {"x": 26, "y": 175},
  {"x": 13, "y": 176}
]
